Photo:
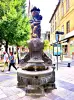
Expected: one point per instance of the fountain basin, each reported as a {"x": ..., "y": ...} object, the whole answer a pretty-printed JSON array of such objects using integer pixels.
[{"x": 35, "y": 78}]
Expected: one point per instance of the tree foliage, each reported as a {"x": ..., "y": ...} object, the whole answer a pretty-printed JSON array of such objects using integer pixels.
[
  {"x": 14, "y": 23},
  {"x": 46, "y": 44}
]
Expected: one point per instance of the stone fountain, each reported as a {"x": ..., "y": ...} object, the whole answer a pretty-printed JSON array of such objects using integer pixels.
[{"x": 37, "y": 73}]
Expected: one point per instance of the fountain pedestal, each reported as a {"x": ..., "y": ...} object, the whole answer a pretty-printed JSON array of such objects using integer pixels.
[{"x": 35, "y": 76}]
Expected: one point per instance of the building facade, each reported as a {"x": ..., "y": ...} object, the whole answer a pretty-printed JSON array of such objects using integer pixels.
[{"x": 62, "y": 20}]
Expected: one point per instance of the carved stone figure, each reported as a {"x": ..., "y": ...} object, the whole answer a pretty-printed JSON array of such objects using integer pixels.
[{"x": 36, "y": 21}]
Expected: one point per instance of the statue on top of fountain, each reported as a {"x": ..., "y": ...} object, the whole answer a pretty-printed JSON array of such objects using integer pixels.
[
  {"x": 35, "y": 44},
  {"x": 36, "y": 21}
]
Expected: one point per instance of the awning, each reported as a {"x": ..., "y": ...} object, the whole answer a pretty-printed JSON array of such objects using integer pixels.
[
  {"x": 70, "y": 34},
  {"x": 65, "y": 43},
  {"x": 54, "y": 41}
]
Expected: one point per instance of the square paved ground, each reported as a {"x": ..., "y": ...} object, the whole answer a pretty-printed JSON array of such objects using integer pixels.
[{"x": 64, "y": 83}]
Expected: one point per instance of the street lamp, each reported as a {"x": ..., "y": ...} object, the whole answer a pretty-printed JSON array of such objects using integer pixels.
[{"x": 60, "y": 33}]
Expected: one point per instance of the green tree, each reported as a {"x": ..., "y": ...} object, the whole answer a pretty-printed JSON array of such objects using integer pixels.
[
  {"x": 14, "y": 23},
  {"x": 46, "y": 44}
]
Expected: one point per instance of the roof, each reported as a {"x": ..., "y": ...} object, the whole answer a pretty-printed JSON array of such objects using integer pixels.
[{"x": 55, "y": 11}]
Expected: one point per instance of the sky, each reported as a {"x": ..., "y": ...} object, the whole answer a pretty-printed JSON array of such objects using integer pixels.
[{"x": 47, "y": 8}]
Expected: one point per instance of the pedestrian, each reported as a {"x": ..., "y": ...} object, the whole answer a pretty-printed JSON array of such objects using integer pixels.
[
  {"x": 15, "y": 57},
  {"x": 5, "y": 61},
  {"x": 54, "y": 60},
  {"x": 11, "y": 62}
]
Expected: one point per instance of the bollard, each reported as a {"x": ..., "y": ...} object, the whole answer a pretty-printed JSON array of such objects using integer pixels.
[
  {"x": 54, "y": 65},
  {"x": 68, "y": 65}
]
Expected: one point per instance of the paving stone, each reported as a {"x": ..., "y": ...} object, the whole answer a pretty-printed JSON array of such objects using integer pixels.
[
  {"x": 59, "y": 98},
  {"x": 9, "y": 92},
  {"x": 5, "y": 89},
  {"x": 22, "y": 94},
  {"x": 70, "y": 96},
  {"x": 13, "y": 97},
  {"x": 34, "y": 98},
  {"x": 6, "y": 98},
  {"x": 64, "y": 83},
  {"x": 1, "y": 91},
  {"x": 61, "y": 92},
  {"x": 16, "y": 90},
  {"x": 5, "y": 77},
  {"x": 9, "y": 83},
  {"x": 2, "y": 96},
  {"x": 26, "y": 98},
  {"x": 52, "y": 96}
]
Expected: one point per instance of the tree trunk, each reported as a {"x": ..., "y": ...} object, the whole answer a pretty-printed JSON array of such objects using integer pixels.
[
  {"x": 6, "y": 46},
  {"x": 17, "y": 55}
]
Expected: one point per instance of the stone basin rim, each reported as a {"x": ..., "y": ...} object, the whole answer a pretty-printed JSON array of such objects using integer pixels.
[{"x": 25, "y": 72}]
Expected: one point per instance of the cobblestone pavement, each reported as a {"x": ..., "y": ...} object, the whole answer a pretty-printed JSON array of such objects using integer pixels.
[{"x": 64, "y": 86}]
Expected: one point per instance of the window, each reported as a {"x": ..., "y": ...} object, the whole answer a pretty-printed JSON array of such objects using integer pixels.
[
  {"x": 62, "y": 29},
  {"x": 65, "y": 50},
  {"x": 55, "y": 22},
  {"x": 51, "y": 29},
  {"x": 58, "y": 17},
  {"x": 55, "y": 16},
  {"x": 67, "y": 5},
  {"x": 62, "y": 10},
  {"x": 68, "y": 27},
  {"x": 55, "y": 25}
]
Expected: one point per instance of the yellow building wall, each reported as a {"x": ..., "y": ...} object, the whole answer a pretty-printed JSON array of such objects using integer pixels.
[
  {"x": 71, "y": 46},
  {"x": 68, "y": 15},
  {"x": 62, "y": 20}
]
